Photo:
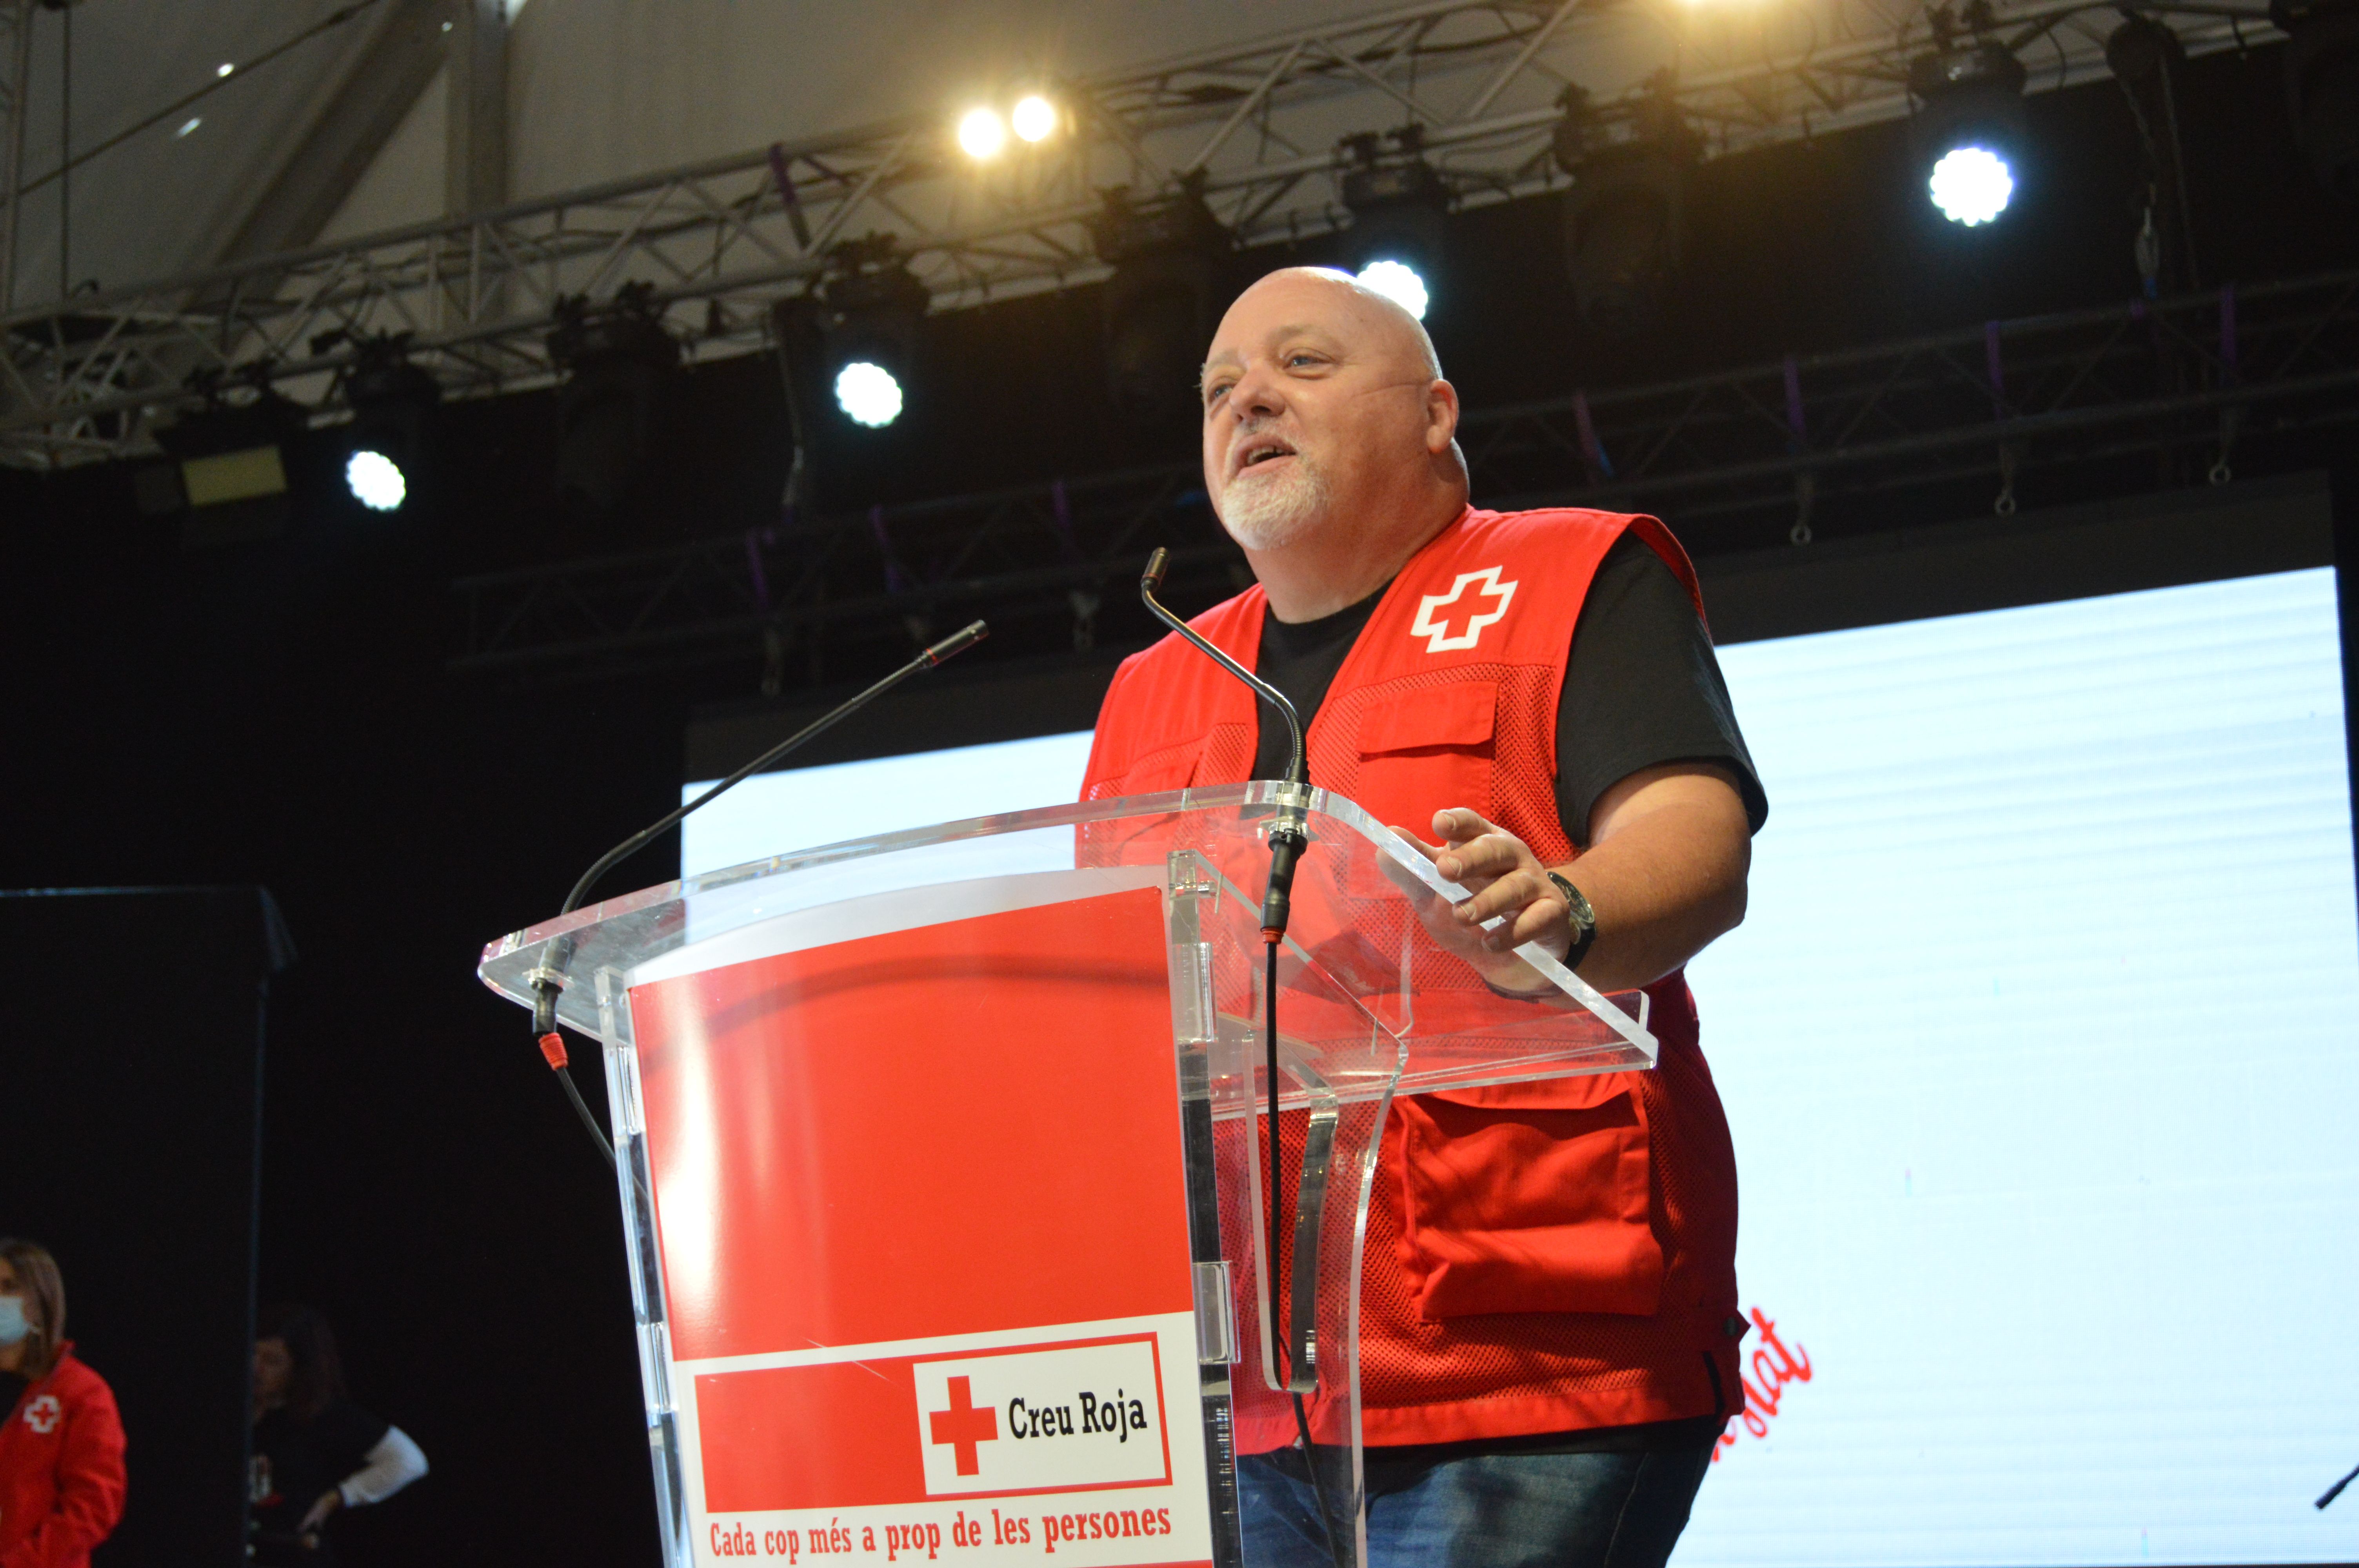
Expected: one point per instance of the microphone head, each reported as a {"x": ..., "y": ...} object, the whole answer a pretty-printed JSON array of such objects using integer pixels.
[
  {"x": 957, "y": 643},
  {"x": 1152, "y": 578}
]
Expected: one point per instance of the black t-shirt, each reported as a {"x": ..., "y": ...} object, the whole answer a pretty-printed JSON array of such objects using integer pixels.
[
  {"x": 1641, "y": 687},
  {"x": 12, "y": 1389},
  {"x": 295, "y": 1462}
]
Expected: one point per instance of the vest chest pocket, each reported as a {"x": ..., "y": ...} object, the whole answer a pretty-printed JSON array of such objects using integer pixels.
[
  {"x": 1426, "y": 749},
  {"x": 1528, "y": 1197}
]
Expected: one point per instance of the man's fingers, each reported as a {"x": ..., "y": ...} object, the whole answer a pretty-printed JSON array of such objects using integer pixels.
[
  {"x": 1428, "y": 851},
  {"x": 1539, "y": 922},
  {"x": 1503, "y": 896},
  {"x": 1491, "y": 855},
  {"x": 1457, "y": 824},
  {"x": 1527, "y": 908}
]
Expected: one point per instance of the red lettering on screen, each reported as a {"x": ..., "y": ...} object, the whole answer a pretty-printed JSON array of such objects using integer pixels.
[{"x": 1775, "y": 1363}]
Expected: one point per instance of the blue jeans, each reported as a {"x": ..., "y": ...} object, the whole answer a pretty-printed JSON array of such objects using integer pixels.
[{"x": 1498, "y": 1510}]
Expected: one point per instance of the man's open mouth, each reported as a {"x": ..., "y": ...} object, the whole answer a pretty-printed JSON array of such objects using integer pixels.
[{"x": 1262, "y": 452}]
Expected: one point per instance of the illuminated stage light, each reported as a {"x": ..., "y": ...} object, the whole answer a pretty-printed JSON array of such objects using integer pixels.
[
  {"x": 1971, "y": 185},
  {"x": 376, "y": 481},
  {"x": 393, "y": 402},
  {"x": 981, "y": 133},
  {"x": 1398, "y": 282},
  {"x": 1968, "y": 128},
  {"x": 1035, "y": 118},
  {"x": 1397, "y": 203},
  {"x": 874, "y": 312},
  {"x": 868, "y": 393}
]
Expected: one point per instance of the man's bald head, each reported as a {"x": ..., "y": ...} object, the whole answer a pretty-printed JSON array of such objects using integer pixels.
[
  {"x": 1327, "y": 425},
  {"x": 1384, "y": 317}
]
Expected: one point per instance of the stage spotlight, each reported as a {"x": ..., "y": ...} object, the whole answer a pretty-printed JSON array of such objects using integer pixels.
[
  {"x": 849, "y": 358},
  {"x": 620, "y": 364},
  {"x": 2321, "y": 66},
  {"x": 1034, "y": 117},
  {"x": 376, "y": 481},
  {"x": 1626, "y": 216},
  {"x": 868, "y": 393},
  {"x": 1397, "y": 204},
  {"x": 981, "y": 133},
  {"x": 1971, "y": 185},
  {"x": 1170, "y": 259},
  {"x": 874, "y": 308},
  {"x": 1398, "y": 282},
  {"x": 392, "y": 401},
  {"x": 1968, "y": 128}
]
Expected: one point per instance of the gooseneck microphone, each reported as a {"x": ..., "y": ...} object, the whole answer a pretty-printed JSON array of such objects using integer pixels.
[
  {"x": 1287, "y": 836},
  {"x": 548, "y": 979}
]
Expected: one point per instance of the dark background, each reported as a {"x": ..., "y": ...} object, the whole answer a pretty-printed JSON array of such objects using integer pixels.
[
  {"x": 280, "y": 713},
  {"x": 135, "y": 1022}
]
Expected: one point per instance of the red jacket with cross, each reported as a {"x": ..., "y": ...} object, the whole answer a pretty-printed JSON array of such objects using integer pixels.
[
  {"x": 1540, "y": 1257},
  {"x": 62, "y": 1477}
]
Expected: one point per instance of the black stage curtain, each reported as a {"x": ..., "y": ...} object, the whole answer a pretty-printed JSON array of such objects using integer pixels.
[{"x": 131, "y": 1074}]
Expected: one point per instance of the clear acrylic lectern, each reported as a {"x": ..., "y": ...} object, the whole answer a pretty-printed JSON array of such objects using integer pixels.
[{"x": 939, "y": 1160}]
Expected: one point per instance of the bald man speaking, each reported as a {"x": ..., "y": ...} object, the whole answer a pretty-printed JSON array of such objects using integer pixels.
[{"x": 1550, "y": 1325}]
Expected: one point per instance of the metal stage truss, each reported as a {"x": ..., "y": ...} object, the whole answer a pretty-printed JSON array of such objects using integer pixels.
[
  {"x": 2190, "y": 376},
  {"x": 1262, "y": 124}
]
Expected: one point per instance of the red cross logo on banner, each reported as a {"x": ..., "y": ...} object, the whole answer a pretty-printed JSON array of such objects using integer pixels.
[
  {"x": 1436, "y": 631},
  {"x": 962, "y": 1425}
]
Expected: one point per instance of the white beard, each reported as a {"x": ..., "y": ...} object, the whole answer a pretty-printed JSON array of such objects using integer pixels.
[{"x": 1269, "y": 511}]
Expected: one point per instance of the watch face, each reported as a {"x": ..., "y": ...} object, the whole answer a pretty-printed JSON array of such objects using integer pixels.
[{"x": 1576, "y": 904}]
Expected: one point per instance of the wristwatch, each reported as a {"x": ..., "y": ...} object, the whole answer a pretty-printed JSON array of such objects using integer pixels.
[{"x": 1583, "y": 918}]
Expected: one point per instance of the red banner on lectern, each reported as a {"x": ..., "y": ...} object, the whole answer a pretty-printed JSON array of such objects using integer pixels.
[{"x": 923, "y": 1237}]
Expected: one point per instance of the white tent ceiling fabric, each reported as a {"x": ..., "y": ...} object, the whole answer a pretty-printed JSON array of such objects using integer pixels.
[
  {"x": 597, "y": 90},
  {"x": 163, "y": 201}
]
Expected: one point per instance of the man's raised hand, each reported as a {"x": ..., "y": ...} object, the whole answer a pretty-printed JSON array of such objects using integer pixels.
[
  {"x": 1506, "y": 879},
  {"x": 1466, "y": 855}
]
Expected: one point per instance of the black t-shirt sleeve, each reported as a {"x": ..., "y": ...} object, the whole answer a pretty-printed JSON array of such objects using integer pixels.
[
  {"x": 1642, "y": 687},
  {"x": 343, "y": 1435},
  {"x": 306, "y": 1458}
]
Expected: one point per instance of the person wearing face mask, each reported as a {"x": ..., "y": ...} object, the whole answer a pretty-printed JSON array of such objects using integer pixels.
[
  {"x": 315, "y": 1452},
  {"x": 62, "y": 1476},
  {"x": 1548, "y": 1320}
]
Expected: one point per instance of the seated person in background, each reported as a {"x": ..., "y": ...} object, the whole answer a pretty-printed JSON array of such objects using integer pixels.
[
  {"x": 61, "y": 1479},
  {"x": 315, "y": 1452}
]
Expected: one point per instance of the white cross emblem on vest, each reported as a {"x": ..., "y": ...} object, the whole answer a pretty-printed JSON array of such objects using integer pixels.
[{"x": 1436, "y": 632}]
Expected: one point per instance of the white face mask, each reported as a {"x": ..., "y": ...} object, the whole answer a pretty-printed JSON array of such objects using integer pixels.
[{"x": 13, "y": 1327}]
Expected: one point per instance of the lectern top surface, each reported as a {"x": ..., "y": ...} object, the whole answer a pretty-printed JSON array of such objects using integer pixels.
[{"x": 1379, "y": 980}]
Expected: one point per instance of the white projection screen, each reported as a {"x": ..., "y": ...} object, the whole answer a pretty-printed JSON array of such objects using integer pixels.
[{"x": 2038, "y": 1048}]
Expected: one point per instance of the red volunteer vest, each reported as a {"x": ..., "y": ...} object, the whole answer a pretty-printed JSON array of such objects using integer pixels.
[{"x": 1540, "y": 1257}]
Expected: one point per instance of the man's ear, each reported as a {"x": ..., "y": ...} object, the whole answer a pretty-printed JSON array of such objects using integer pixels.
[{"x": 1440, "y": 417}]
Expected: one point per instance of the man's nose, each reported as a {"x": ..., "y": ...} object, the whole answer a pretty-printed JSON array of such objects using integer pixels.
[{"x": 1256, "y": 395}]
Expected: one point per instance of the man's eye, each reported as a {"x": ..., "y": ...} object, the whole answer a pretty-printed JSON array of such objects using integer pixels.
[
  {"x": 1293, "y": 360},
  {"x": 1214, "y": 394}
]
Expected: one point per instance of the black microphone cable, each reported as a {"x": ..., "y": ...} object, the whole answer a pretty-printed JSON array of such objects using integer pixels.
[
  {"x": 1289, "y": 837},
  {"x": 548, "y": 979}
]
